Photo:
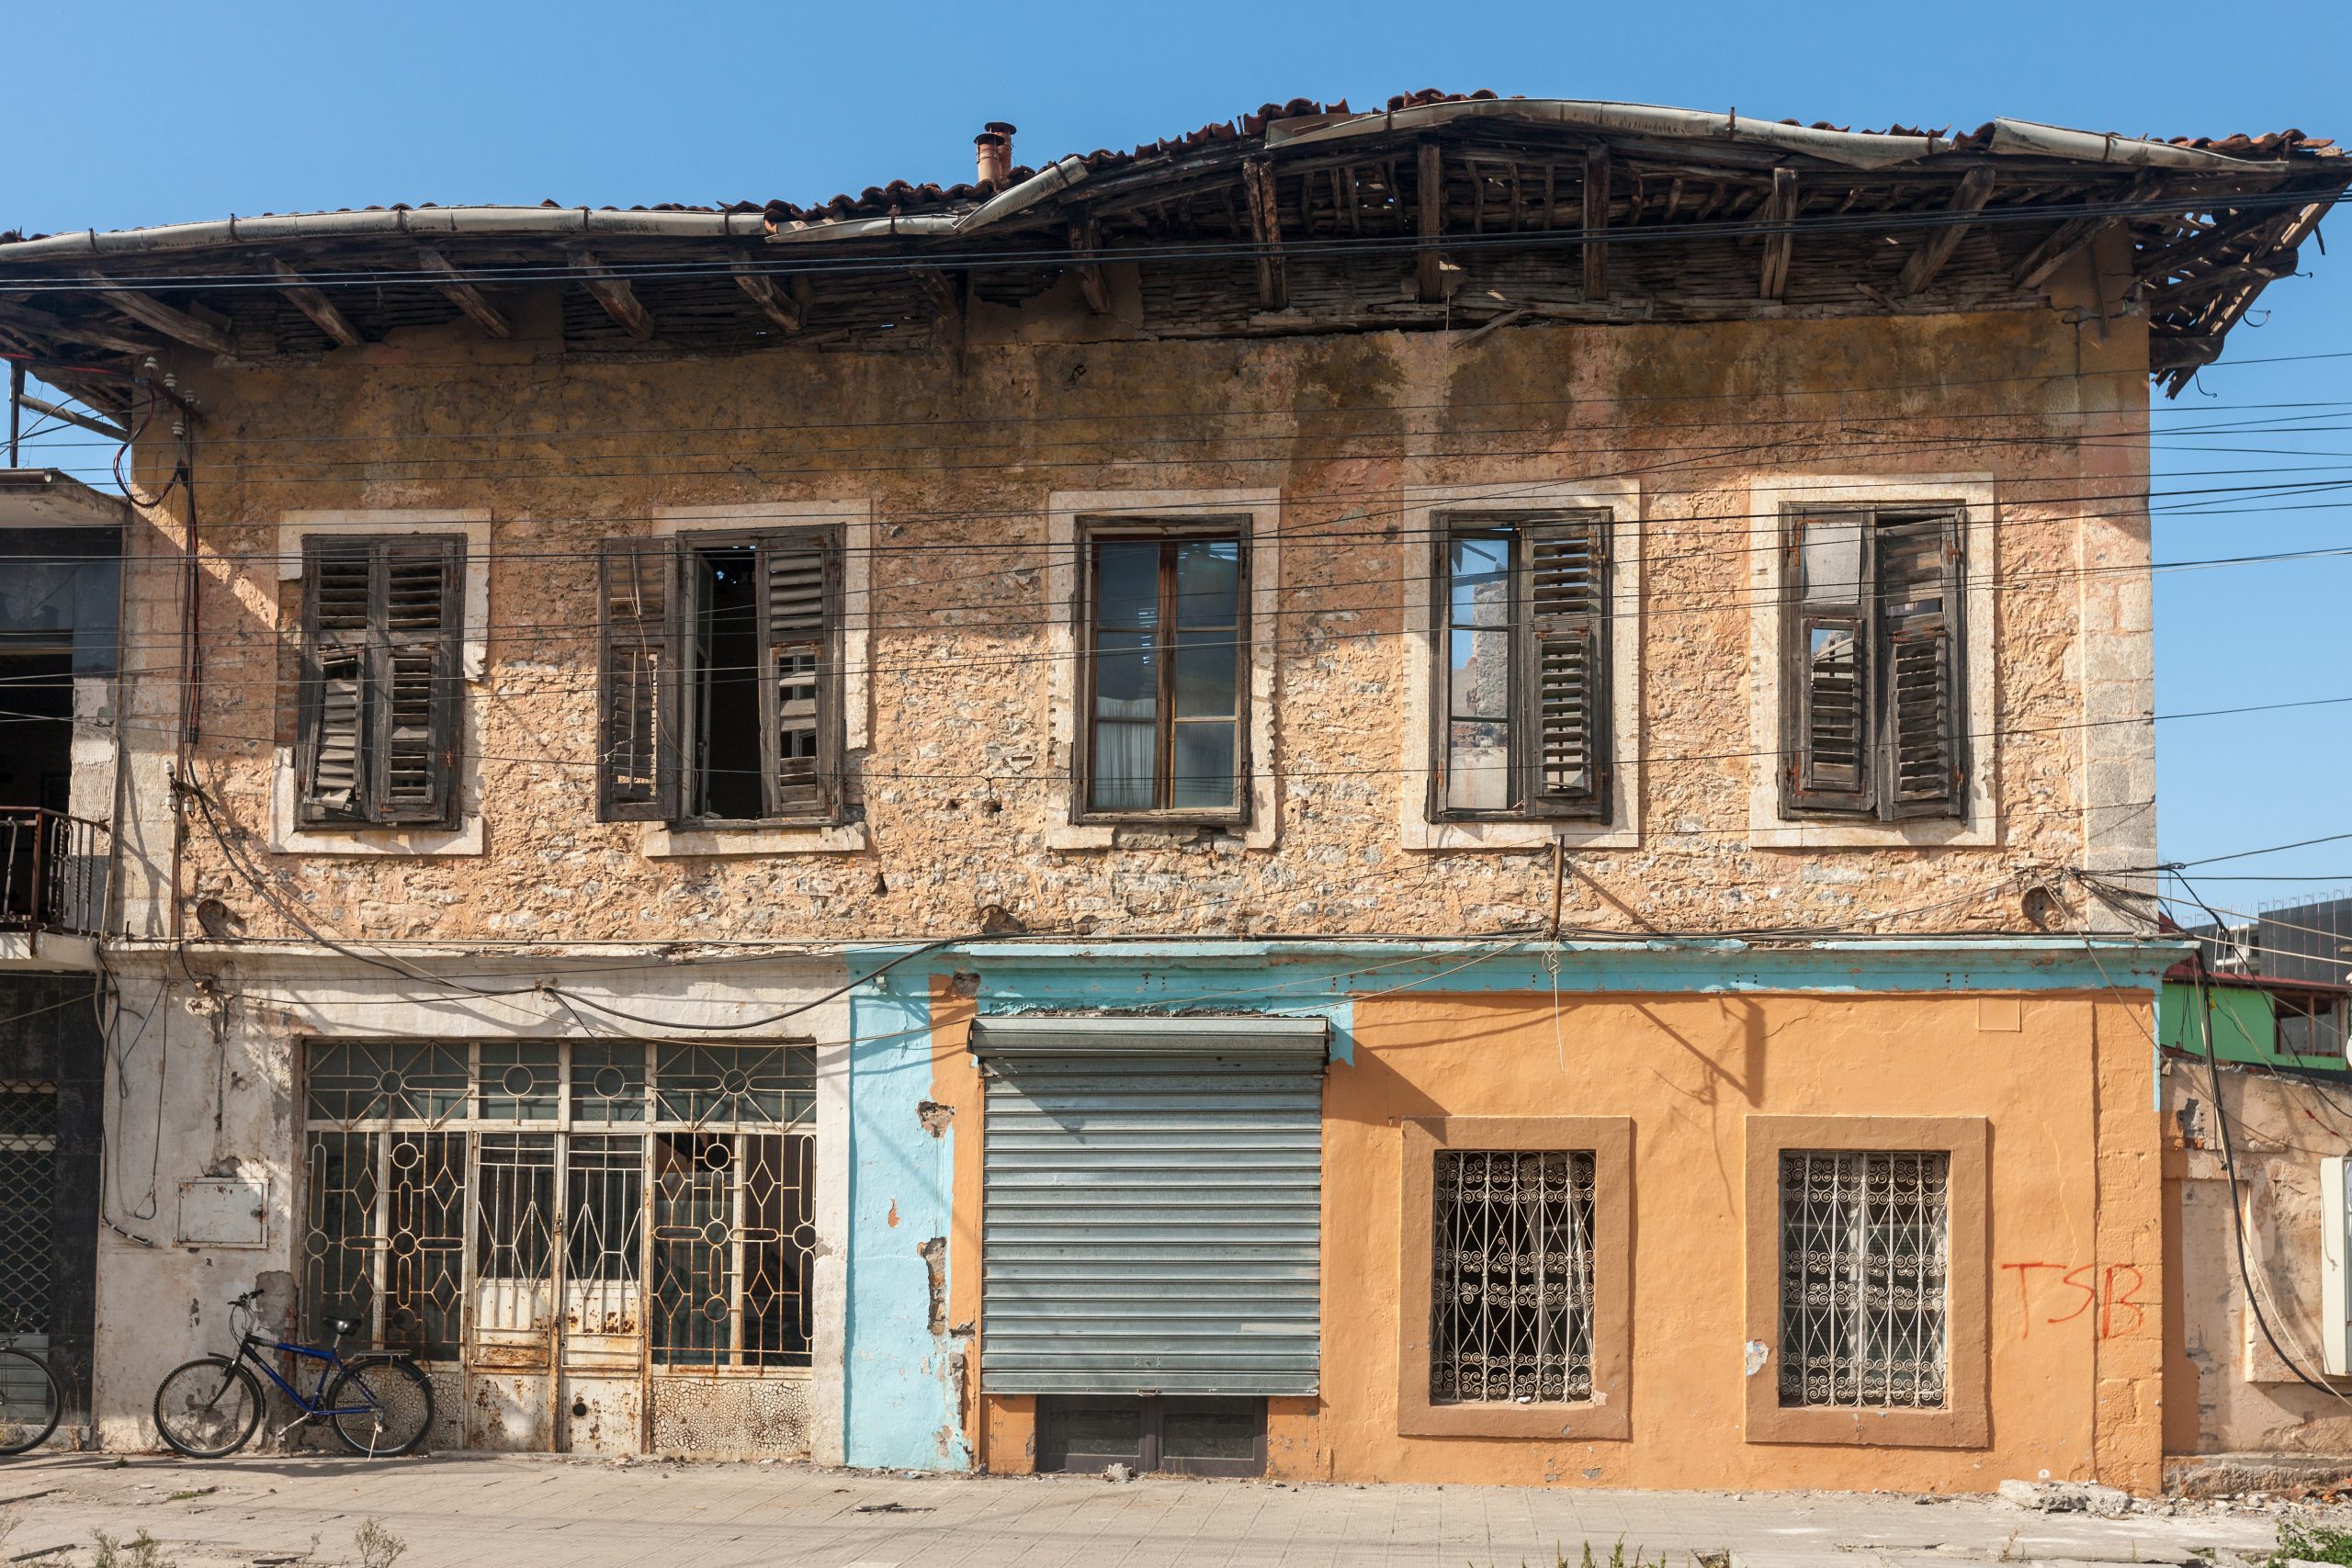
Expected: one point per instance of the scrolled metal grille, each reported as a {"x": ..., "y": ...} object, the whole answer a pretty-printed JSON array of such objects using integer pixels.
[
  {"x": 1863, "y": 1253},
  {"x": 28, "y": 1205},
  {"x": 1511, "y": 1305}
]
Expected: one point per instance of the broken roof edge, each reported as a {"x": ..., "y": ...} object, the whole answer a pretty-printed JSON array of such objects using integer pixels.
[{"x": 1857, "y": 149}]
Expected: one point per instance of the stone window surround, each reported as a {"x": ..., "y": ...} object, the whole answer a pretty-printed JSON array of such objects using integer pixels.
[
  {"x": 1769, "y": 499},
  {"x": 1067, "y": 511},
  {"x": 1962, "y": 1423},
  {"x": 467, "y": 836},
  {"x": 856, "y": 520},
  {"x": 1607, "y": 1416},
  {"x": 1424, "y": 506}
]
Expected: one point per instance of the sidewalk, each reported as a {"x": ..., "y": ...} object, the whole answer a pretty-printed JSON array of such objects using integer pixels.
[{"x": 527, "y": 1512}]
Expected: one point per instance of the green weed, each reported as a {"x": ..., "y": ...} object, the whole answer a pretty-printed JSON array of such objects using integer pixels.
[{"x": 2311, "y": 1541}]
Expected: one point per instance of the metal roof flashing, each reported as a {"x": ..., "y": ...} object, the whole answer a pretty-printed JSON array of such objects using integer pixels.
[{"x": 1156, "y": 1035}]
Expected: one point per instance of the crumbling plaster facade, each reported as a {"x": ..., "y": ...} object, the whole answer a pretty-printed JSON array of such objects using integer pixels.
[{"x": 957, "y": 452}]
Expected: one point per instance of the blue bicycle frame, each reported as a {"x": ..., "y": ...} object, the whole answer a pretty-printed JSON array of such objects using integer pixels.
[{"x": 314, "y": 1405}]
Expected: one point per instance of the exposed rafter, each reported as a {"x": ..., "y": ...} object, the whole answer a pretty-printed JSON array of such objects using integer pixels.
[
  {"x": 314, "y": 304},
  {"x": 1920, "y": 269},
  {"x": 75, "y": 329},
  {"x": 773, "y": 303},
  {"x": 464, "y": 295},
  {"x": 1087, "y": 238},
  {"x": 611, "y": 291},
  {"x": 1780, "y": 207},
  {"x": 1596, "y": 223},
  {"x": 173, "y": 322},
  {"x": 1429, "y": 219},
  {"x": 1265, "y": 232}
]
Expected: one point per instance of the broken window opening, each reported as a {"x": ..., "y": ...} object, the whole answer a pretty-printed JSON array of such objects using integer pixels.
[
  {"x": 378, "y": 693},
  {"x": 1167, "y": 674},
  {"x": 726, "y": 775},
  {"x": 441, "y": 1224}
]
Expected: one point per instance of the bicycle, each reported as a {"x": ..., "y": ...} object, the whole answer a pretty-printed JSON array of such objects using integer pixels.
[
  {"x": 30, "y": 1401},
  {"x": 380, "y": 1405}
]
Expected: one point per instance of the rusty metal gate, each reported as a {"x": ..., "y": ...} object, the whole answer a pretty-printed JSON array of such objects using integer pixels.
[{"x": 597, "y": 1246}]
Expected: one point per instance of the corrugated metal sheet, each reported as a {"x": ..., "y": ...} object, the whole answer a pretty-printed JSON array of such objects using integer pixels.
[
  {"x": 1152, "y": 1222},
  {"x": 1182, "y": 1035}
]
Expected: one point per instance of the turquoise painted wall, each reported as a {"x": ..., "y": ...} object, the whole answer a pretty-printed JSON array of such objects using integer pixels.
[{"x": 902, "y": 1378}]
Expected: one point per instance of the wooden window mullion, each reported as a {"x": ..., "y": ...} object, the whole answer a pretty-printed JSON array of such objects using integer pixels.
[{"x": 1163, "y": 780}]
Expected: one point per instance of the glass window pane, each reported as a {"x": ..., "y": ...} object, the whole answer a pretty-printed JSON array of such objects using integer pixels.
[
  {"x": 1209, "y": 579},
  {"x": 1480, "y": 683},
  {"x": 1204, "y": 765},
  {"x": 1126, "y": 675},
  {"x": 607, "y": 1082},
  {"x": 1122, "y": 765},
  {"x": 1127, "y": 584},
  {"x": 1210, "y": 1430},
  {"x": 1831, "y": 548},
  {"x": 518, "y": 1082},
  {"x": 1478, "y": 766},
  {"x": 1479, "y": 581},
  {"x": 1204, "y": 676},
  {"x": 513, "y": 1207},
  {"x": 603, "y": 1202}
]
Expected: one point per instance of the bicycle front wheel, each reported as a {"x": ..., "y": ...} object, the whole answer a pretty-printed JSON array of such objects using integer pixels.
[
  {"x": 208, "y": 1407},
  {"x": 31, "y": 1402},
  {"x": 382, "y": 1407}
]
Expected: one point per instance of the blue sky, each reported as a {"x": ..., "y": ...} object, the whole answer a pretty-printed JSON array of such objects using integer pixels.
[{"x": 145, "y": 113}]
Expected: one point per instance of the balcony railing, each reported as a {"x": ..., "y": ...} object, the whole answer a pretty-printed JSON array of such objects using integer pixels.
[{"x": 55, "y": 872}]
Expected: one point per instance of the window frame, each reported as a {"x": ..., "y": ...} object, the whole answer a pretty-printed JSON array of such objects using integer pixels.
[
  {"x": 1166, "y": 532},
  {"x": 676, "y": 693},
  {"x": 1607, "y": 1415},
  {"x": 448, "y": 702},
  {"x": 1529, "y": 803},
  {"x": 1878, "y": 797},
  {"x": 1963, "y": 1421}
]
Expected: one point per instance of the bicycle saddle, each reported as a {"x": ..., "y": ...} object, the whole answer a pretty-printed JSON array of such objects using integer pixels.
[{"x": 343, "y": 1327}]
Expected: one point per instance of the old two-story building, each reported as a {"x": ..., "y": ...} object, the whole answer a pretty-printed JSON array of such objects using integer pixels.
[{"x": 1447, "y": 793}]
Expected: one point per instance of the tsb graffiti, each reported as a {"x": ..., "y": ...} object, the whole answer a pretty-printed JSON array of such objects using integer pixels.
[{"x": 2108, "y": 1295}]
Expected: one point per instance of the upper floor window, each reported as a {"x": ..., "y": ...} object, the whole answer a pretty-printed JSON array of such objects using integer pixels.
[
  {"x": 380, "y": 691},
  {"x": 1167, "y": 671},
  {"x": 721, "y": 678},
  {"x": 1523, "y": 666},
  {"x": 1872, "y": 719}
]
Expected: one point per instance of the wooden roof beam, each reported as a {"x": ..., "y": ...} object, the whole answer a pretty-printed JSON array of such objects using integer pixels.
[
  {"x": 1429, "y": 216},
  {"x": 314, "y": 304},
  {"x": 40, "y": 324},
  {"x": 464, "y": 295},
  {"x": 1780, "y": 208},
  {"x": 1920, "y": 267},
  {"x": 611, "y": 291},
  {"x": 1596, "y": 223},
  {"x": 773, "y": 301},
  {"x": 1266, "y": 233},
  {"x": 173, "y": 322},
  {"x": 1087, "y": 237},
  {"x": 2064, "y": 241}
]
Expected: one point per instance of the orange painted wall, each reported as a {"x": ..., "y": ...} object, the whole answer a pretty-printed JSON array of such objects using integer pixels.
[{"x": 2075, "y": 1381}]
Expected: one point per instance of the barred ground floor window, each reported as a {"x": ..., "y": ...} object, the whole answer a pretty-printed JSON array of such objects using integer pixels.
[
  {"x": 458, "y": 1192},
  {"x": 1863, "y": 1260},
  {"x": 1511, "y": 1306}
]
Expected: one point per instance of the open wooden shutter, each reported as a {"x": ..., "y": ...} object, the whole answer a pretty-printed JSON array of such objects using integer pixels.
[
  {"x": 636, "y": 745},
  {"x": 423, "y": 590},
  {"x": 1919, "y": 587},
  {"x": 1827, "y": 712},
  {"x": 334, "y": 716},
  {"x": 801, "y": 716},
  {"x": 1564, "y": 689}
]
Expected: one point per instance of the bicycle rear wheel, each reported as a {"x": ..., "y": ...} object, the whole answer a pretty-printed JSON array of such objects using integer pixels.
[
  {"x": 207, "y": 1407},
  {"x": 31, "y": 1402},
  {"x": 383, "y": 1405}
]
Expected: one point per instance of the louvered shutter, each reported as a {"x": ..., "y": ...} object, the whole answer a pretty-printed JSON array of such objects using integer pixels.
[
  {"x": 422, "y": 586},
  {"x": 1918, "y": 577},
  {"x": 1565, "y": 688},
  {"x": 1826, "y": 725},
  {"x": 337, "y": 598},
  {"x": 637, "y": 747},
  {"x": 800, "y": 721}
]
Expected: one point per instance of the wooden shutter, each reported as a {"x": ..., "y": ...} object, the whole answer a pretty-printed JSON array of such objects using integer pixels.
[
  {"x": 1564, "y": 727},
  {"x": 1826, "y": 725},
  {"x": 800, "y": 718},
  {"x": 336, "y": 601},
  {"x": 637, "y": 695},
  {"x": 420, "y": 590},
  {"x": 1919, "y": 587}
]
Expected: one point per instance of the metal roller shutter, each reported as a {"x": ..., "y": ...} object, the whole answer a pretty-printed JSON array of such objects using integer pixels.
[{"x": 1152, "y": 1205}]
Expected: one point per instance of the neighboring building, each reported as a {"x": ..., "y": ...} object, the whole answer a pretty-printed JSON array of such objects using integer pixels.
[
  {"x": 2248, "y": 1393},
  {"x": 1432, "y": 794}
]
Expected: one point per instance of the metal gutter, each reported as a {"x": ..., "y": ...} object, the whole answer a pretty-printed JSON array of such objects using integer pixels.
[
  {"x": 426, "y": 223},
  {"x": 2025, "y": 136},
  {"x": 1049, "y": 181}
]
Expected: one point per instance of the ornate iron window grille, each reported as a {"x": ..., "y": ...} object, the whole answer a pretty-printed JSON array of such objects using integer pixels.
[
  {"x": 1864, "y": 1242},
  {"x": 1512, "y": 1319}
]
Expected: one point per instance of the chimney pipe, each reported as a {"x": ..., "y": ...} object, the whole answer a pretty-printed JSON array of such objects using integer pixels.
[{"x": 992, "y": 155}]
